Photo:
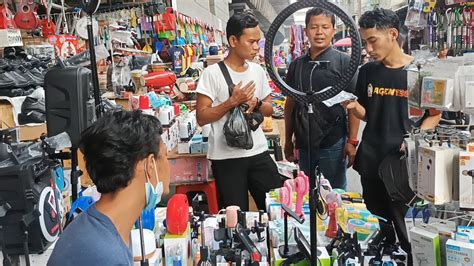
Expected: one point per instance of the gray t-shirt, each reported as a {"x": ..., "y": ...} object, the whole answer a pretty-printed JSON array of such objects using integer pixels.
[{"x": 91, "y": 239}]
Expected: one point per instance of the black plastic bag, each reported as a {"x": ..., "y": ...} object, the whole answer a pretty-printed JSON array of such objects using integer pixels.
[
  {"x": 236, "y": 130},
  {"x": 394, "y": 173}
]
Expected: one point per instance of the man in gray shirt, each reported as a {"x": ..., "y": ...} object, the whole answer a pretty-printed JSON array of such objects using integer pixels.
[{"x": 127, "y": 161}]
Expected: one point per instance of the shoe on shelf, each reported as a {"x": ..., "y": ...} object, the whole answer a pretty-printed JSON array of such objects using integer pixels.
[
  {"x": 9, "y": 52},
  {"x": 20, "y": 81},
  {"x": 11, "y": 92}
]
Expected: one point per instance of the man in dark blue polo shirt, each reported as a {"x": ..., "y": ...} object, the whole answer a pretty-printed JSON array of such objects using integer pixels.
[
  {"x": 127, "y": 161},
  {"x": 330, "y": 123}
]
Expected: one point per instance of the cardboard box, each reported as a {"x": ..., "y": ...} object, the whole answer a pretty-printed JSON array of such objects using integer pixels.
[
  {"x": 171, "y": 242},
  {"x": 425, "y": 247},
  {"x": 459, "y": 253},
  {"x": 189, "y": 169},
  {"x": 412, "y": 163},
  {"x": 435, "y": 173},
  {"x": 466, "y": 179},
  {"x": 195, "y": 145},
  {"x": 205, "y": 147},
  {"x": 184, "y": 147},
  {"x": 165, "y": 136},
  {"x": 32, "y": 132},
  {"x": 441, "y": 227},
  {"x": 174, "y": 135}
]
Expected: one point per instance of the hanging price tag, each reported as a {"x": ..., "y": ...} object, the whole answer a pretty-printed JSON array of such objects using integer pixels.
[{"x": 10, "y": 37}]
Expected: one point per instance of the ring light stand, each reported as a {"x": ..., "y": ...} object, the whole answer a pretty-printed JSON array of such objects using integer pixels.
[
  {"x": 90, "y": 7},
  {"x": 310, "y": 97}
]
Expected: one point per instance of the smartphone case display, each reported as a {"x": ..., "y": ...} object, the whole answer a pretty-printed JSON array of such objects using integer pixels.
[{"x": 435, "y": 173}]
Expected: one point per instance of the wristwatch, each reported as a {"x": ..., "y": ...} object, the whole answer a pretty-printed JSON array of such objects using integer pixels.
[{"x": 353, "y": 142}]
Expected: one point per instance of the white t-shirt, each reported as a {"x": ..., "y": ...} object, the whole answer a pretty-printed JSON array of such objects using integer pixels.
[{"x": 213, "y": 85}]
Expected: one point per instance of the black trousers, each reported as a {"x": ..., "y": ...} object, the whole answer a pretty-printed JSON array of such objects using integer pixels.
[
  {"x": 378, "y": 202},
  {"x": 235, "y": 177}
]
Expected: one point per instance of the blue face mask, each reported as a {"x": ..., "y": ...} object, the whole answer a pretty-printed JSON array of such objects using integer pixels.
[{"x": 153, "y": 194}]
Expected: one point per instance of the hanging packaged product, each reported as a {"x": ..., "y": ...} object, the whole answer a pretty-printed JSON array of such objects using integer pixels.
[
  {"x": 437, "y": 92},
  {"x": 65, "y": 45},
  {"x": 415, "y": 18},
  {"x": 436, "y": 173},
  {"x": 429, "y": 6},
  {"x": 166, "y": 21},
  {"x": 464, "y": 83},
  {"x": 466, "y": 180},
  {"x": 411, "y": 147},
  {"x": 414, "y": 81}
]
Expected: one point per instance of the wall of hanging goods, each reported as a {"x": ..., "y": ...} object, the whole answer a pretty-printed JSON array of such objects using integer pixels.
[
  {"x": 133, "y": 28},
  {"x": 447, "y": 24}
]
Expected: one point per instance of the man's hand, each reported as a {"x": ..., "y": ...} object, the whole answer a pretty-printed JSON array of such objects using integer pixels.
[
  {"x": 403, "y": 148},
  {"x": 289, "y": 151},
  {"x": 349, "y": 105},
  {"x": 242, "y": 94},
  {"x": 350, "y": 152},
  {"x": 252, "y": 104}
]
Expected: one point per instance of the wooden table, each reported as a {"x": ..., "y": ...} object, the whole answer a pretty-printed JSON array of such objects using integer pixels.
[{"x": 173, "y": 155}]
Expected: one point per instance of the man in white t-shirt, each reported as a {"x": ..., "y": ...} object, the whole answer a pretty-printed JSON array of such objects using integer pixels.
[{"x": 238, "y": 170}]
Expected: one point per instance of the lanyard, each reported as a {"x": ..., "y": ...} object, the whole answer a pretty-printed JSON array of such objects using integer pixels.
[
  {"x": 433, "y": 24},
  {"x": 458, "y": 30},
  {"x": 449, "y": 29},
  {"x": 465, "y": 29},
  {"x": 441, "y": 30}
]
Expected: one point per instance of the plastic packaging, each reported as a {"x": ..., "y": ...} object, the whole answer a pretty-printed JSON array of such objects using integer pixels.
[
  {"x": 464, "y": 83},
  {"x": 414, "y": 81},
  {"x": 437, "y": 92},
  {"x": 236, "y": 130},
  {"x": 416, "y": 18},
  {"x": 83, "y": 59}
]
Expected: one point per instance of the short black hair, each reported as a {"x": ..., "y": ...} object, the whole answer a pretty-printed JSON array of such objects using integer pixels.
[
  {"x": 115, "y": 143},
  {"x": 316, "y": 11},
  {"x": 238, "y": 22},
  {"x": 380, "y": 19}
]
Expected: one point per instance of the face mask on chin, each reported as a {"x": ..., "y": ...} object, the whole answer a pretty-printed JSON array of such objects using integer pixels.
[{"x": 153, "y": 194}]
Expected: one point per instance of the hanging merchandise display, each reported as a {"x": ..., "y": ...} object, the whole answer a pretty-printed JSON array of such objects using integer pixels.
[
  {"x": 65, "y": 45},
  {"x": 26, "y": 17},
  {"x": 297, "y": 41},
  {"x": 7, "y": 20},
  {"x": 447, "y": 25},
  {"x": 48, "y": 27}
]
